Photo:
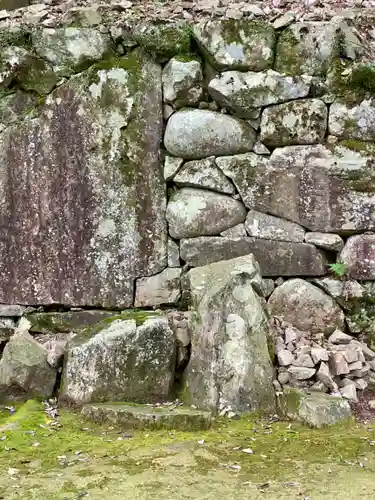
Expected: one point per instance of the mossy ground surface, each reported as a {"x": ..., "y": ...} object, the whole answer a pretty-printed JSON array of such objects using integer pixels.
[{"x": 288, "y": 460}]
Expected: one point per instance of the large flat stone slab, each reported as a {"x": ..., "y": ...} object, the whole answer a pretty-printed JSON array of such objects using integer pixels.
[
  {"x": 148, "y": 416},
  {"x": 276, "y": 258},
  {"x": 83, "y": 191}
]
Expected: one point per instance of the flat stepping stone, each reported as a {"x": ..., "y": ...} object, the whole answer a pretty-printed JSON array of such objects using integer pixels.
[{"x": 148, "y": 417}]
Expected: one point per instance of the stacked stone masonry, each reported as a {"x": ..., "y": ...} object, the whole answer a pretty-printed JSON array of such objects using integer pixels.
[{"x": 131, "y": 154}]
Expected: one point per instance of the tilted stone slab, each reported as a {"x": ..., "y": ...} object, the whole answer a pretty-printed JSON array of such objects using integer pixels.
[
  {"x": 84, "y": 198},
  {"x": 323, "y": 189},
  {"x": 237, "y": 44},
  {"x": 148, "y": 417},
  {"x": 276, "y": 258}
]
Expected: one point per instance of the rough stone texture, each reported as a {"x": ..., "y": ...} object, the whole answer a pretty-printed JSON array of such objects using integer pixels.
[
  {"x": 14, "y": 106},
  {"x": 171, "y": 166},
  {"x": 266, "y": 226},
  {"x": 71, "y": 49},
  {"x": 83, "y": 191},
  {"x": 285, "y": 357},
  {"x": 358, "y": 255},
  {"x": 163, "y": 288},
  {"x": 56, "y": 351},
  {"x": 173, "y": 254},
  {"x": 324, "y": 376},
  {"x": 197, "y": 212},
  {"x": 237, "y": 231},
  {"x": 148, "y": 417},
  {"x": 24, "y": 371},
  {"x": 349, "y": 392},
  {"x": 296, "y": 122},
  {"x": 276, "y": 258},
  {"x": 18, "y": 66},
  {"x": 12, "y": 310},
  {"x": 306, "y": 307},
  {"x": 319, "y": 354},
  {"x": 338, "y": 364},
  {"x": 304, "y": 360},
  {"x": 230, "y": 363},
  {"x": 182, "y": 82},
  {"x": 242, "y": 92},
  {"x": 237, "y": 44},
  {"x": 198, "y": 133},
  {"x": 345, "y": 292},
  {"x": 121, "y": 363},
  {"x": 331, "y": 242},
  {"x": 301, "y": 373},
  {"x": 316, "y": 409},
  {"x": 307, "y": 48},
  {"x": 162, "y": 38},
  {"x": 7, "y": 327},
  {"x": 65, "y": 322},
  {"x": 320, "y": 188},
  {"x": 353, "y": 121},
  {"x": 204, "y": 174}
]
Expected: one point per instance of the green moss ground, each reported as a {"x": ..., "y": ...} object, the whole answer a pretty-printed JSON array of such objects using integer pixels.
[{"x": 289, "y": 460}]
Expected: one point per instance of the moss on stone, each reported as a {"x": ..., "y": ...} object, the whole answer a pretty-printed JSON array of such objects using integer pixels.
[
  {"x": 287, "y": 60},
  {"x": 164, "y": 39}
]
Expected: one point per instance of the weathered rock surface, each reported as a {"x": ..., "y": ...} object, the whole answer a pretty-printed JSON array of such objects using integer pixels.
[
  {"x": 173, "y": 254},
  {"x": 24, "y": 371},
  {"x": 204, "y": 174},
  {"x": 230, "y": 363},
  {"x": 315, "y": 409},
  {"x": 171, "y": 166},
  {"x": 199, "y": 133},
  {"x": 306, "y": 307},
  {"x": 353, "y": 121},
  {"x": 197, "y": 212},
  {"x": 163, "y": 38},
  {"x": 296, "y": 122},
  {"x": 71, "y": 49},
  {"x": 237, "y": 231},
  {"x": 323, "y": 189},
  {"x": 242, "y": 92},
  {"x": 301, "y": 373},
  {"x": 358, "y": 255},
  {"x": 276, "y": 258},
  {"x": 182, "y": 82},
  {"x": 14, "y": 106},
  {"x": 307, "y": 48},
  {"x": 237, "y": 44},
  {"x": 266, "y": 226},
  {"x": 148, "y": 417},
  {"x": 332, "y": 242},
  {"x": 345, "y": 292},
  {"x": 90, "y": 197},
  {"x": 122, "y": 362},
  {"x": 12, "y": 310},
  {"x": 163, "y": 288}
]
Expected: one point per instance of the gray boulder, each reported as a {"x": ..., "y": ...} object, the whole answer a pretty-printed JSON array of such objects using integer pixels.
[
  {"x": 198, "y": 133},
  {"x": 266, "y": 226},
  {"x": 306, "y": 307},
  {"x": 242, "y": 92},
  {"x": 230, "y": 365},
  {"x": 24, "y": 370},
  {"x": 237, "y": 44},
  {"x": 295, "y": 122},
  {"x": 122, "y": 362},
  {"x": 197, "y": 212},
  {"x": 358, "y": 255},
  {"x": 182, "y": 82}
]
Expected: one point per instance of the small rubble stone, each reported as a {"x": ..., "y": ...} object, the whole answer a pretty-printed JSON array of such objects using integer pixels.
[
  {"x": 303, "y": 360},
  {"x": 338, "y": 364},
  {"x": 285, "y": 358},
  {"x": 327, "y": 241},
  {"x": 349, "y": 392},
  {"x": 324, "y": 375},
  {"x": 352, "y": 353},
  {"x": 203, "y": 174},
  {"x": 368, "y": 353},
  {"x": 172, "y": 165},
  {"x": 301, "y": 373},
  {"x": 360, "y": 384},
  {"x": 339, "y": 337},
  {"x": 319, "y": 386},
  {"x": 319, "y": 354},
  {"x": 182, "y": 82},
  {"x": 162, "y": 288},
  {"x": 283, "y": 378},
  {"x": 280, "y": 345},
  {"x": 290, "y": 335}
]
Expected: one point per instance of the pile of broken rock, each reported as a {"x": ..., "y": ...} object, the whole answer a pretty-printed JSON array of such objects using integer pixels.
[{"x": 340, "y": 365}]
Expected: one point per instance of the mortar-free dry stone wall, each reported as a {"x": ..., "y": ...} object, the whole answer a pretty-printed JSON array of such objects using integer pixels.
[{"x": 132, "y": 153}]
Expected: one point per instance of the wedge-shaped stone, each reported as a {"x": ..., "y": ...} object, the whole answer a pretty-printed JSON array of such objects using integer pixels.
[
  {"x": 163, "y": 288},
  {"x": 237, "y": 44},
  {"x": 323, "y": 189},
  {"x": 199, "y": 133},
  {"x": 148, "y": 417},
  {"x": 230, "y": 364},
  {"x": 71, "y": 49},
  {"x": 307, "y": 48},
  {"x": 306, "y": 307},
  {"x": 204, "y": 174},
  {"x": 121, "y": 362},
  {"x": 276, "y": 258},
  {"x": 182, "y": 82},
  {"x": 315, "y": 409},
  {"x": 240, "y": 91},
  {"x": 83, "y": 191},
  {"x": 197, "y": 212},
  {"x": 65, "y": 322},
  {"x": 266, "y": 226},
  {"x": 295, "y": 122},
  {"x": 353, "y": 121},
  {"x": 332, "y": 242}
]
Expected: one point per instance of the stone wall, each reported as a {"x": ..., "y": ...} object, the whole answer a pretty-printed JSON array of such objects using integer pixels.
[{"x": 131, "y": 153}]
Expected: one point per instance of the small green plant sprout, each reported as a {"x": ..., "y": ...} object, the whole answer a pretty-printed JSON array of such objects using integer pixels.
[{"x": 339, "y": 269}]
